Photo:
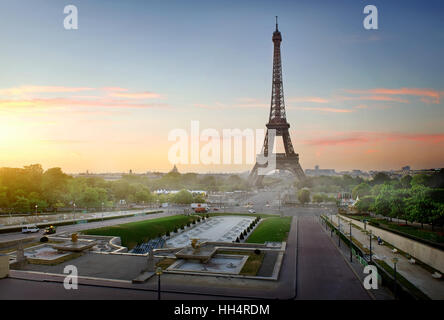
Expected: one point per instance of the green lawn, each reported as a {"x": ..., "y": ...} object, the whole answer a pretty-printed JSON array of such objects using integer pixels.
[
  {"x": 137, "y": 232},
  {"x": 271, "y": 229}
]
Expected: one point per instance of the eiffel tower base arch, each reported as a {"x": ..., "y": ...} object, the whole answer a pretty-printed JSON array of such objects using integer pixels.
[{"x": 283, "y": 162}]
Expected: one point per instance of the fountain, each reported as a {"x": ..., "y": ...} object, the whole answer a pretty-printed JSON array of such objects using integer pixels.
[
  {"x": 75, "y": 245},
  {"x": 202, "y": 257}
]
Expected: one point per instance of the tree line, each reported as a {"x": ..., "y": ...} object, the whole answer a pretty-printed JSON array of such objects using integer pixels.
[
  {"x": 413, "y": 199},
  {"x": 32, "y": 189}
]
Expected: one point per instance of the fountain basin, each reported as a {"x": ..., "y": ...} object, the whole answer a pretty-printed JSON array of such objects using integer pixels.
[
  {"x": 202, "y": 254},
  {"x": 218, "y": 264}
]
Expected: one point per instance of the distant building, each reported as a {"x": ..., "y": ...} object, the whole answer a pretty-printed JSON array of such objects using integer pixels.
[
  {"x": 320, "y": 172},
  {"x": 174, "y": 170},
  {"x": 202, "y": 193}
]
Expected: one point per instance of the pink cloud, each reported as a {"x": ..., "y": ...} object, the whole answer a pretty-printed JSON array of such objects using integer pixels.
[
  {"x": 371, "y": 137},
  {"x": 14, "y": 91},
  {"x": 137, "y": 95},
  {"x": 63, "y": 102},
  {"x": 376, "y": 98},
  {"x": 112, "y": 89},
  {"x": 309, "y": 99},
  {"x": 333, "y": 110},
  {"x": 428, "y": 95}
]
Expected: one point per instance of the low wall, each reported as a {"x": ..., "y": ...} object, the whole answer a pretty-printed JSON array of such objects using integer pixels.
[
  {"x": 4, "y": 265},
  {"x": 426, "y": 254}
]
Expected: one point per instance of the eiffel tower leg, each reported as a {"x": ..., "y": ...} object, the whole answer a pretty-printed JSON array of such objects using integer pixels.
[
  {"x": 298, "y": 172},
  {"x": 255, "y": 179}
]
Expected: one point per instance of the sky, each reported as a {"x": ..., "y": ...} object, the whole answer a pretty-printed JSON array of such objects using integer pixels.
[{"x": 105, "y": 97}]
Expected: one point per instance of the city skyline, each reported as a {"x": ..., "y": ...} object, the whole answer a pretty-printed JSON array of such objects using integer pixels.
[{"x": 104, "y": 97}]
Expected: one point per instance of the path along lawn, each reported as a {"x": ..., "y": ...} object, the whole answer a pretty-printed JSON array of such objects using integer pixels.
[
  {"x": 271, "y": 229},
  {"x": 138, "y": 232}
]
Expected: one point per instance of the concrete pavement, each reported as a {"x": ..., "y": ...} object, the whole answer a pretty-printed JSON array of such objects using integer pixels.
[{"x": 323, "y": 273}]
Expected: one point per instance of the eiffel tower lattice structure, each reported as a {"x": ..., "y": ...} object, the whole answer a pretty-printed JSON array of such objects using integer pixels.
[{"x": 278, "y": 123}]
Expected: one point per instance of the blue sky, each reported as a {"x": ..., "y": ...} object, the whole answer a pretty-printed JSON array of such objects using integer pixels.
[{"x": 211, "y": 61}]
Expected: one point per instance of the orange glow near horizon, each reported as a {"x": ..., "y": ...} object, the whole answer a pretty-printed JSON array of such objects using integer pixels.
[{"x": 114, "y": 129}]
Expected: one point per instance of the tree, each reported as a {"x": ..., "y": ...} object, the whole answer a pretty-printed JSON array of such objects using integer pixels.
[
  {"x": 21, "y": 205},
  {"x": 318, "y": 198},
  {"x": 4, "y": 201},
  {"x": 425, "y": 205},
  {"x": 365, "y": 204},
  {"x": 382, "y": 201},
  {"x": 90, "y": 198},
  {"x": 198, "y": 198},
  {"x": 143, "y": 195},
  {"x": 398, "y": 203},
  {"x": 304, "y": 196},
  {"x": 361, "y": 190},
  {"x": 420, "y": 179},
  {"x": 380, "y": 178},
  {"x": 406, "y": 181},
  {"x": 183, "y": 196}
]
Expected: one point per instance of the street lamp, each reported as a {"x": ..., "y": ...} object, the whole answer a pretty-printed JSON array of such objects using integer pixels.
[
  {"x": 36, "y": 206},
  {"x": 370, "y": 245},
  {"x": 351, "y": 242},
  {"x": 395, "y": 261},
  {"x": 74, "y": 213},
  {"x": 102, "y": 209},
  {"x": 339, "y": 232},
  {"x": 159, "y": 273}
]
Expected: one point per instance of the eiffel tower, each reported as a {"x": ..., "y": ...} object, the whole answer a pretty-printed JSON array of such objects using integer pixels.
[{"x": 278, "y": 123}]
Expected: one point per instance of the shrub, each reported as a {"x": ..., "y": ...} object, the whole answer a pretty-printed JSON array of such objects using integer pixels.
[
  {"x": 44, "y": 239},
  {"x": 257, "y": 251},
  {"x": 241, "y": 236},
  {"x": 237, "y": 239}
]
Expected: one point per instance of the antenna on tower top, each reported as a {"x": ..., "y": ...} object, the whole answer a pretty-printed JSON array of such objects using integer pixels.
[{"x": 276, "y": 23}]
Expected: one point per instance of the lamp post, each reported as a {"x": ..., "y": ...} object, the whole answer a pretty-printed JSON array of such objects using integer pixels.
[
  {"x": 331, "y": 225},
  {"x": 74, "y": 213},
  {"x": 36, "y": 206},
  {"x": 103, "y": 204},
  {"x": 339, "y": 232},
  {"x": 351, "y": 242},
  {"x": 370, "y": 245},
  {"x": 395, "y": 261},
  {"x": 159, "y": 273}
]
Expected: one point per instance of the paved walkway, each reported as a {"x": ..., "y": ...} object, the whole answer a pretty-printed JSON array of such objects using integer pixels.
[
  {"x": 323, "y": 273},
  {"x": 417, "y": 275}
]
